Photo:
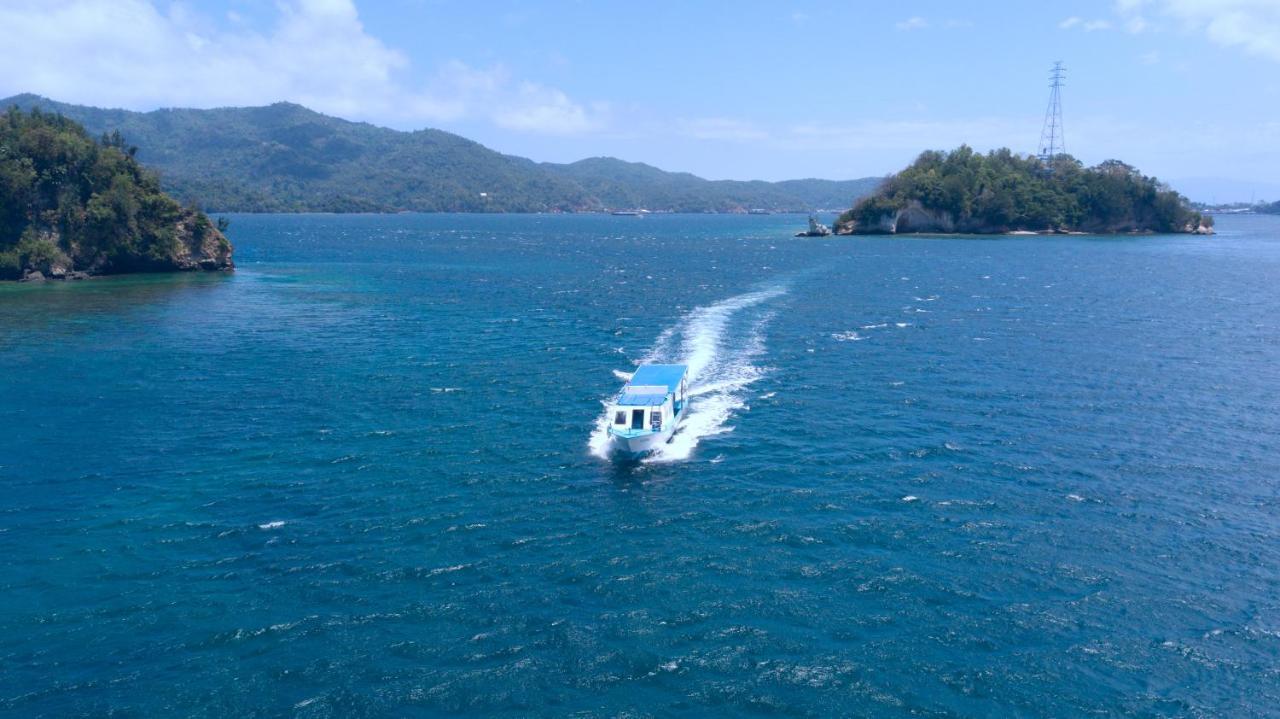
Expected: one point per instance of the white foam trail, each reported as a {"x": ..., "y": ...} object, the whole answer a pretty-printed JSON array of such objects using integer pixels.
[
  {"x": 599, "y": 442},
  {"x": 721, "y": 366},
  {"x": 719, "y": 388}
]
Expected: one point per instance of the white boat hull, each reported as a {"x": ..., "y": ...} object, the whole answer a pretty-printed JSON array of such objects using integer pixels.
[{"x": 640, "y": 445}]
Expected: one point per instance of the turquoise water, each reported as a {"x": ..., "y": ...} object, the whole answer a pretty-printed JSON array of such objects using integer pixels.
[{"x": 920, "y": 477}]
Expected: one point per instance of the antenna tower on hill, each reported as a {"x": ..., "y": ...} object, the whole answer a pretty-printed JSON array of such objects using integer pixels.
[{"x": 1052, "y": 140}]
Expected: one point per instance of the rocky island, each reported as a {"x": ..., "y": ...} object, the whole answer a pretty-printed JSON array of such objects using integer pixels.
[
  {"x": 967, "y": 192},
  {"x": 71, "y": 207}
]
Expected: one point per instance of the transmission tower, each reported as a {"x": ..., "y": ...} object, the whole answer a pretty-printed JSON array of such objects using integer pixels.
[{"x": 1052, "y": 139}]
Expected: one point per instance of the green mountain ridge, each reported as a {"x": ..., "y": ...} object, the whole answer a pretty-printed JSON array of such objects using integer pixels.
[
  {"x": 287, "y": 158},
  {"x": 617, "y": 183}
]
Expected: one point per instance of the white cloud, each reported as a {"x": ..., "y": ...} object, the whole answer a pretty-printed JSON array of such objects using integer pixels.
[
  {"x": 1251, "y": 25},
  {"x": 131, "y": 53},
  {"x": 545, "y": 109},
  {"x": 911, "y": 135},
  {"x": 1086, "y": 25},
  {"x": 919, "y": 23},
  {"x": 721, "y": 128},
  {"x": 1135, "y": 24}
]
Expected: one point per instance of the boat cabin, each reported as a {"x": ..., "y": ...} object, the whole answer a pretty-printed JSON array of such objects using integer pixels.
[{"x": 651, "y": 401}]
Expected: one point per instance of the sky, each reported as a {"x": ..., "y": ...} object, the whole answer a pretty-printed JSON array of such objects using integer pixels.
[{"x": 1187, "y": 90}]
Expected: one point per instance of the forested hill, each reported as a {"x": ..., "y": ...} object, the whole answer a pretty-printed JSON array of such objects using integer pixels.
[
  {"x": 969, "y": 192},
  {"x": 71, "y": 206},
  {"x": 286, "y": 158},
  {"x": 616, "y": 183}
]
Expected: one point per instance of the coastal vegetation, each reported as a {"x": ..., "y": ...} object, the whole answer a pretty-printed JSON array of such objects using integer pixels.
[
  {"x": 969, "y": 192},
  {"x": 1272, "y": 208},
  {"x": 287, "y": 158},
  {"x": 71, "y": 206}
]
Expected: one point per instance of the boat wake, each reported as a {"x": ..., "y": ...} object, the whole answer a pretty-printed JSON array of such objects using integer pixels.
[{"x": 720, "y": 344}]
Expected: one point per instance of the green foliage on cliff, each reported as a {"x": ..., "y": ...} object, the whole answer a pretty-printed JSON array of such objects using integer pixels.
[
  {"x": 70, "y": 203},
  {"x": 286, "y": 158},
  {"x": 1002, "y": 191}
]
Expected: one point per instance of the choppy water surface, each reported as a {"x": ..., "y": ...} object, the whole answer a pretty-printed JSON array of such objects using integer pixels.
[{"x": 920, "y": 477}]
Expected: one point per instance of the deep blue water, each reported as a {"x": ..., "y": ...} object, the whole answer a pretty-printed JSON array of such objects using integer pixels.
[{"x": 921, "y": 477}]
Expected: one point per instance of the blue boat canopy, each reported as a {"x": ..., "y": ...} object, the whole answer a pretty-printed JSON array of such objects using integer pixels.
[
  {"x": 641, "y": 400},
  {"x": 658, "y": 374}
]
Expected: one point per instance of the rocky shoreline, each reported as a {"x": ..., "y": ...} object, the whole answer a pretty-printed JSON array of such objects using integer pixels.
[
  {"x": 61, "y": 274},
  {"x": 916, "y": 219},
  {"x": 196, "y": 245}
]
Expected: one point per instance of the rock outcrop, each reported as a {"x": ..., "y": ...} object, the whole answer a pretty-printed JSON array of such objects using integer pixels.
[
  {"x": 195, "y": 244},
  {"x": 912, "y": 218}
]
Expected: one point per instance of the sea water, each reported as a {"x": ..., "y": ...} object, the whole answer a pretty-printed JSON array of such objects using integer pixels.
[{"x": 363, "y": 475}]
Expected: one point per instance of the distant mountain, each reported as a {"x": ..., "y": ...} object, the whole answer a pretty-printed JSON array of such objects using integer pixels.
[
  {"x": 1224, "y": 191},
  {"x": 616, "y": 183},
  {"x": 286, "y": 158},
  {"x": 831, "y": 194}
]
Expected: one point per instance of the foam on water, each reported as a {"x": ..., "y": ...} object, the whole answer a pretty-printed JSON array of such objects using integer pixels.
[{"x": 719, "y": 343}]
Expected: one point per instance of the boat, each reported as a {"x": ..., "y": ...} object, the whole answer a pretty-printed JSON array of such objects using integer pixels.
[
  {"x": 626, "y": 213},
  {"x": 644, "y": 415},
  {"x": 816, "y": 229}
]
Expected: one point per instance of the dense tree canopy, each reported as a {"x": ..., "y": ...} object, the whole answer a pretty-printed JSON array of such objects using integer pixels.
[
  {"x": 70, "y": 203},
  {"x": 1002, "y": 191}
]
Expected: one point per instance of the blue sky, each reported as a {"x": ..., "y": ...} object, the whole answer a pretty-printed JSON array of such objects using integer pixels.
[{"x": 1187, "y": 90}]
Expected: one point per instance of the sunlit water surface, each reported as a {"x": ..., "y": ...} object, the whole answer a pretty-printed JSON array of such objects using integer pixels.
[{"x": 920, "y": 476}]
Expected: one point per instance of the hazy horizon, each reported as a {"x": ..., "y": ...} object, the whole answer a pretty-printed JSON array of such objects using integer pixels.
[{"x": 743, "y": 91}]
